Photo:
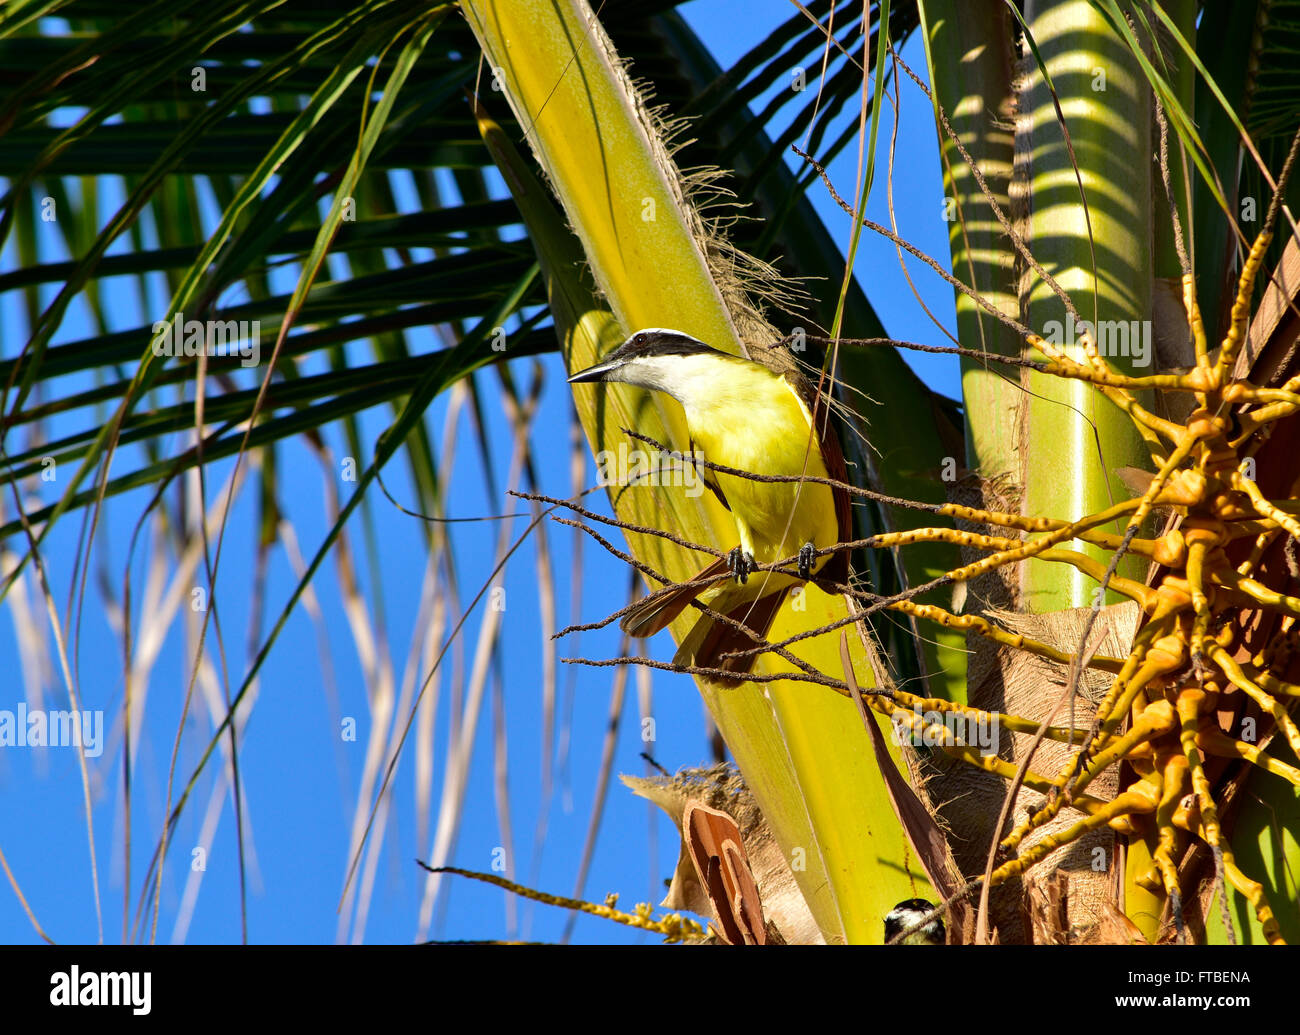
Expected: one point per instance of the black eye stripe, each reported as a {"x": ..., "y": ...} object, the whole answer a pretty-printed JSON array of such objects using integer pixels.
[{"x": 664, "y": 343}]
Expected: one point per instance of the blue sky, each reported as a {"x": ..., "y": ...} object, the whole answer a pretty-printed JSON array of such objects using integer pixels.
[{"x": 300, "y": 777}]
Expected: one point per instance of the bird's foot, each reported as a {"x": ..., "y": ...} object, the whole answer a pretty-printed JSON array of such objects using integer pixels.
[
  {"x": 807, "y": 556},
  {"x": 740, "y": 564}
]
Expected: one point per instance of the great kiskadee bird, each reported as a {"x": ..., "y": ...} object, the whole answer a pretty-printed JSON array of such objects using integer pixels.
[
  {"x": 907, "y": 917},
  {"x": 744, "y": 416}
]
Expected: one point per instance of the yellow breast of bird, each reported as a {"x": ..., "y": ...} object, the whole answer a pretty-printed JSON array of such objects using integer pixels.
[{"x": 748, "y": 426}]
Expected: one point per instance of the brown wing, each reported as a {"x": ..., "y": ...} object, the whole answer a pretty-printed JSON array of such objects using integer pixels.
[
  {"x": 837, "y": 568},
  {"x": 706, "y": 475}
]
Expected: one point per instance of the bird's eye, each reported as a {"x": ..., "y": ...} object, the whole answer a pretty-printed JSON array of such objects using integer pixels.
[{"x": 638, "y": 339}]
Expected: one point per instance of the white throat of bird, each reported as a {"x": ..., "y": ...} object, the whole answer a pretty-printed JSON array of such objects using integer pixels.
[{"x": 692, "y": 380}]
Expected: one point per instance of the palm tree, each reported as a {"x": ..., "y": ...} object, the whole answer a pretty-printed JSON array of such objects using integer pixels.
[{"x": 249, "y": 111}]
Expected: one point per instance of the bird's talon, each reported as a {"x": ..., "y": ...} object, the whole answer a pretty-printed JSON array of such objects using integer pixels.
[
  {"x": 806, "y": 557},
  {"x": 741, "y": 564}
]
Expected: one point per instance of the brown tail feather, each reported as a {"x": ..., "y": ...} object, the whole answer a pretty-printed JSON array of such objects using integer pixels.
[
  {"x": 718, "y": 638},
  {"x": 654, "y": 613}
]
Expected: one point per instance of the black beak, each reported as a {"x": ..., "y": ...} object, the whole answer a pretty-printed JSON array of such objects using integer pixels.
[{"x": 600, "y": 372}]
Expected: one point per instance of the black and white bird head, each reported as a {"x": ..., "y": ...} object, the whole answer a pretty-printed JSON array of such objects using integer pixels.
[
  {"x": 904, "y": 919},
  {"x": 661, "y": 359}
]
